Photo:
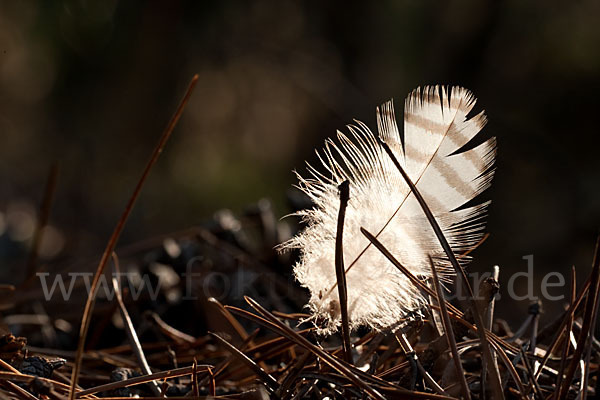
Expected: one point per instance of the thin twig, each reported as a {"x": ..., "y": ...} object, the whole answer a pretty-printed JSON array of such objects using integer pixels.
[
  {"x": 112, "y": 242},
  {"x": 266, "y": 378},
  {"x": 489, "y": 324},
  {"x": 344, "y": 188},
  {"x": 131, "y": 333},
  {"x": 410, "y": 352},
  {"x": 563, "y": 324},
  {"x": 590, "y": 308},
  {"x": 19, "y": 377},
  {"x": 411, "y": 277},
  {"x": 588, "y": 355},
  {"x": 26, "y": 395},
  {"x": 531, "y": 375},
  {"x": 495, "y": 375},
  {"x": 292, "y": 374},
  {"x": 172, "y": 373},
  {"x": 237, "y": 327},
  {"x": 195, "y": 389},
  {"x": 355, "y": 375},
  {"x": 489, "y": 320},
  {"x": 277, "y": 326},
  {"x": 212, "y": 384},
  {"x": 510, "y": 367},
  {"x": 9, "y": 367},
  {"x": 460, "y": 373},
  {"x": 570, "y": 317}
]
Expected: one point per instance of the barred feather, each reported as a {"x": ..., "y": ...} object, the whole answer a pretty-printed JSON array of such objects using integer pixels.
[{"x": 435, "y": 129}]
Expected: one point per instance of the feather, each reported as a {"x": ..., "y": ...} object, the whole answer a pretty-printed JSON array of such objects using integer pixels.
[{"x": 436, "y": 128}]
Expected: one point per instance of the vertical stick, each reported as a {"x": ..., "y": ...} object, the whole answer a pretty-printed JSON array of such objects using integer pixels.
[
  {"x": 490, "y": 312},
  {"x": 460, "y": 373},
  {"x": 344, "y": 188},
  {"x": 489, "y": 323}
]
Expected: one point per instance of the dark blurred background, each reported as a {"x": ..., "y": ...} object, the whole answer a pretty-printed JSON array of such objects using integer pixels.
[{"x": 91, "y": 84}]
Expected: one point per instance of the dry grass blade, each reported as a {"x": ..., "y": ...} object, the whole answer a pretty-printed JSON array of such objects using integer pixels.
[
  {"x": 112, "y": 242},
  {"x": 195, "y": 389},
  {"x": 268, "y": 345},
  {"x": 404, "y": 394},
  {"x": 355, "y": 375},
  {"x": 173, "y": 373},
  {"x": 212, "y": 383},
  {"x": 564, "y": 320},
  {"x": 555, "y": 327},
  {"x": 413, "y": 279},
  {"x": 20, "y": 391},
  {"x": 170, "y": 397},
  {"x": 274, "y": 323},
  {"x": 260, "y": 321},
  {"x": 401, "y": 337},
  {"x": 487, "y": 354},
  {"x": 8, "y": 367},
  {"x": 531, "y": 375},
  {"x": 510, "y": 368},
  {"x": 239, "y": 329},
  {"x": 231, "y": 327},
  {"x": 590, "y": 309},
  {"x": 19, "y": 377},
  {"x": 398, "y": 367},
  {"x": 460, "y": 373},
  {"x": 344, "y": 188},
  {"x": 490, "y": 335},
  {"x": 411, "y": 356},
  {"x": 349, "y": 371},
  {"x": 131, "y": 333},
  {"x": 269, "y": 381},
  {"x": 569, "y": 328},
  {"x": 588, "y": 355},
  {"x": 247, "y": 395},
  {"x": 296, "y": 369},
  {"x": 274, "y": 351}
]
